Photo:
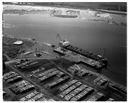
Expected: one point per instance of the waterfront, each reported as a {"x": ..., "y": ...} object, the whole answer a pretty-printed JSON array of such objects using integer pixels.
[{"x": 88, "y": 32}]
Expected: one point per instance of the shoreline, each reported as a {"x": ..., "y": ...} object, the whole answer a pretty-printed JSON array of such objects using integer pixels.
[
  {"x": 71, "y": 7},
  {"x": 112, "y": 12},
  {"x": 36, "y": 42}
]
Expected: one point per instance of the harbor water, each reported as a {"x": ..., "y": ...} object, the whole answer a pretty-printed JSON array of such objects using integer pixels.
[{"x": 101, "y": 33}]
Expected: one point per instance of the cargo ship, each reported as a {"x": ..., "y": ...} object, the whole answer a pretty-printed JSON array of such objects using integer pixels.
[
  {"x": 67, "y": 45},
  {"x": 59, "y": 78},
  {"x": 96, "y": 61}
]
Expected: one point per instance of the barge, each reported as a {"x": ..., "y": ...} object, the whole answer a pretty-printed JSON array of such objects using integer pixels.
[{"x": 65, "y": 16}]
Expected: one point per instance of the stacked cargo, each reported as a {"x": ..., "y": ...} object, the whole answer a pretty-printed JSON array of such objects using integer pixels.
[
  {"x": 29, "y": 96},
  {"x": 65, "y": 86},
  {"x": 80, "y": 72},
  {"x": 86, "y": 92},
  {"x": 50, "y": 83},
  {"x": 29, "y": 64},
  {"x": 38, "y": 70},
  {"x": 97, "y": 97},
  {"x": 45, "y": 75},
  {"x": 59, "y": 81},
  {"x": 11, "y": 77},
  {"x": 74, "y": 90},
  {"x": 40, "y": 74},
  {"x": 35, "y": 96},
  {"x": 101, "y": 81},
  {"x": 22, "y": 87},
  {"x": 68, "y": 90}
]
